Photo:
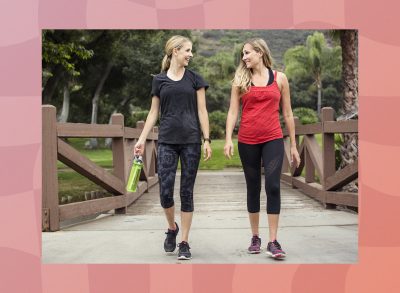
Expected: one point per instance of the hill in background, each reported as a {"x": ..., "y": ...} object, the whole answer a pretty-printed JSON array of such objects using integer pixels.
[{"x": 210, "y": 42}]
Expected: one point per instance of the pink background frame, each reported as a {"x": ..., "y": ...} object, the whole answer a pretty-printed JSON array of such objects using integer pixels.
[{"x": 21, "y": 22}]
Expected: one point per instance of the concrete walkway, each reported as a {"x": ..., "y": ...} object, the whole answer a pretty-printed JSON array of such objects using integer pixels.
[{"x": 220, "y": 231}]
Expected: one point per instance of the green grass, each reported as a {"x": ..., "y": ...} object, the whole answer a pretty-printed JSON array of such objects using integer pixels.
[
  {"x": 101, "y": 156},
  {"x": 72, "y": 184},
  {"x": 218, "y": 160}
]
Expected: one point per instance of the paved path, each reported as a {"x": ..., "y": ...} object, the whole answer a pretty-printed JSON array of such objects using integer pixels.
[{"x": 220, "y": 231}]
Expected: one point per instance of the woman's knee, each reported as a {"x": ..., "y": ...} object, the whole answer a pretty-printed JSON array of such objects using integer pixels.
[
  {"x": 187, "y": 204},
  {"x": 273, "y": 190},
  {"x": 167, "y": 202}
]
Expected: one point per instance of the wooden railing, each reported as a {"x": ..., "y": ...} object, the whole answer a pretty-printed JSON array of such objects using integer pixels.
[
  {"x": 55, "y": 148},
  {"x": 321, "y": 161}
]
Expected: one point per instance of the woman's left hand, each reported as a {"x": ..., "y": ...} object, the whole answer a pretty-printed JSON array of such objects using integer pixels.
[
  {"x": 294, "y": 157},
  {"x": 207, "y": 151}
]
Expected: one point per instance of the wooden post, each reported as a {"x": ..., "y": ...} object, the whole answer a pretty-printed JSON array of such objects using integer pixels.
[
  {"x": 50, "y": 209},
  {"x": 309, "y": 165},
  {"x": 118, "y": 150},
  {"x": 140, "y": 124},
  {"x": 328, "y": 145}
]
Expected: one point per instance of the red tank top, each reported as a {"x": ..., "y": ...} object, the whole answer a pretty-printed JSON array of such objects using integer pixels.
[{"x": 260, "y": 114}]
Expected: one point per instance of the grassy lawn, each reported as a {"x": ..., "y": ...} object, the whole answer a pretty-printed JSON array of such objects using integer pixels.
[
  {"x": 218, "y": 160},
  {"x": 73, "y": 185}
]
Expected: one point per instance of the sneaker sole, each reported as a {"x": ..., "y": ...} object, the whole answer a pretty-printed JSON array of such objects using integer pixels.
[
  {"x": 253, "y": 252},
  {"x": 277, "y": 256},
  {"x": 184, "y": 258}
]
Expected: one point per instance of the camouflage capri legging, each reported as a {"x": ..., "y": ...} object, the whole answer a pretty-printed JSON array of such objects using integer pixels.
[{"x": 167, "y": 160}]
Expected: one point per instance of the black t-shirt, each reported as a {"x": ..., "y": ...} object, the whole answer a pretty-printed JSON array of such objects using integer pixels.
[{"x": 179, "y": 119}]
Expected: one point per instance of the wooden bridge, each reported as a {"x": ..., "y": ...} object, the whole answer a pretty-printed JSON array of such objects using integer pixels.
[{"x": 308, "y": 203}]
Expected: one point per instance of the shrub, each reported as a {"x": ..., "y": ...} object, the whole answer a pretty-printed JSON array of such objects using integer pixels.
[
  {"x": 217, "y": 121},
  {"x": 135, "y": 117},
  {"x": 306, "y": 115}
]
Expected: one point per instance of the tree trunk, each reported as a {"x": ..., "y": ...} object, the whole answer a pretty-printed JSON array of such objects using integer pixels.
[
  {"x": 63, "y": 118},
  {"x": 51, "y": 86},
  {"x": 349, "y": 150},
  {"x": 92, "y": 144},
  {"x": 319, "y": 88}
]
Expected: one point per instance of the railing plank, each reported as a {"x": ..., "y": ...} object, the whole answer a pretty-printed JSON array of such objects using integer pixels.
[
  {"x": 135, "y": 133},
  {"x": 72, "y": 158},
  {"x": 306, "y": 129},
  {"x": 313, "y": 190},
  {"x": 90, "y": 207},
  {"x": 315, "y": 153},
  {"x": 342, "y": 198},
  {"x": 349, "y": 126},
  {"x": 88, "y": 130},
  {"x": 297, "y": 171},
  {"x": 342, "y": 177}
]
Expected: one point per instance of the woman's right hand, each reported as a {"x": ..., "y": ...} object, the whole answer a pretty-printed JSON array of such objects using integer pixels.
[
  {"x": 228, "y": 149},
  {"x": 139, "y": 148}
]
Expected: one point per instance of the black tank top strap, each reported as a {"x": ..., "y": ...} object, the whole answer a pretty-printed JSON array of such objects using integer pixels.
[{"x": 271, "y": 76}]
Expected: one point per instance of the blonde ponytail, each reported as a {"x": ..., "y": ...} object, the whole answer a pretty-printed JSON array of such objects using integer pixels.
[
  {"x": 173, "y": 42},
  {"x": 166, "y": 63}
]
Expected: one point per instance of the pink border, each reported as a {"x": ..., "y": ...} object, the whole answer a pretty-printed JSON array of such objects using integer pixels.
[{"x": 20, "y": 122}]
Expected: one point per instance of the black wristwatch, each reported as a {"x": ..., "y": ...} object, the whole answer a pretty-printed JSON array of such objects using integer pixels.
[{"x": 207, "y": 139}]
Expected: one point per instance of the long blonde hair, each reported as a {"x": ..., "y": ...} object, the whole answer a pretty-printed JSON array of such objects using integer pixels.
[
  {"x": 243, "y": 74},
  {"x": 173, "y": 42}
]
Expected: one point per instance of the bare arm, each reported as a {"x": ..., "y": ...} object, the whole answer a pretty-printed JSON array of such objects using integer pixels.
[
  {"x": 150, "y": 122},
  {"x": 288, "y": 116},
  {"x": 231, "y": 120},
  {"x": 204, "y": 123}
]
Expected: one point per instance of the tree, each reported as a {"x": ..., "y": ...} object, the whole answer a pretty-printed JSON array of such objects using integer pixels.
[
  {"x": 62, "y": 51},
  {"x": 349, "y": 149},
  {"x": 316, "y": 60}
]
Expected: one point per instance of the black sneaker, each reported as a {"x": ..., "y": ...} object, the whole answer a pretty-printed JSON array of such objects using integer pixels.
[
  {"x": 274, "y": 250},
  {"x": 184, "y": 251},
  {"x": 170, "y": 240}
]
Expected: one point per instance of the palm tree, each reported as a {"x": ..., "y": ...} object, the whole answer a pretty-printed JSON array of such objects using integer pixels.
[
  {"x": 313, "y": 59},
  {"x": 349, "y": 149}
]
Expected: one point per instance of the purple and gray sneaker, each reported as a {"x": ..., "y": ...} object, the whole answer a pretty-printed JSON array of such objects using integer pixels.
[
  {"x": 274, "y": 250},
  {"x": 255, "y": 245}
]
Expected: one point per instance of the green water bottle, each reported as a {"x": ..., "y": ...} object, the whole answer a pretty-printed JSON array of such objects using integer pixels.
[{"x": 134, "y": 175}]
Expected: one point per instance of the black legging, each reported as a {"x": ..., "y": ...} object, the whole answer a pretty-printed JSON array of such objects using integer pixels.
[{"x": 271, "y": 153}]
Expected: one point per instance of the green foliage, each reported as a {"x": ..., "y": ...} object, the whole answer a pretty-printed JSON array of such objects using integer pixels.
[
  {"x": 306, "y": 115},
  {"x": 315, "y": 63},
  {"x": 66, "y": 52},
  {"x": 135, "y": 117},
  {"x": 136, "y": 56},
  {"x": 217, "y": 121},
  {"x": 217, "y": 70}
]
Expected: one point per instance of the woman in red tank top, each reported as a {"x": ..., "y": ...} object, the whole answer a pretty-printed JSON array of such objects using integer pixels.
[{"x": 261, "y": 92}]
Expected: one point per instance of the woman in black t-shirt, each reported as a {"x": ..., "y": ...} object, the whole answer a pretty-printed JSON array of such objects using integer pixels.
[{"x": 178, "y": 94}]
